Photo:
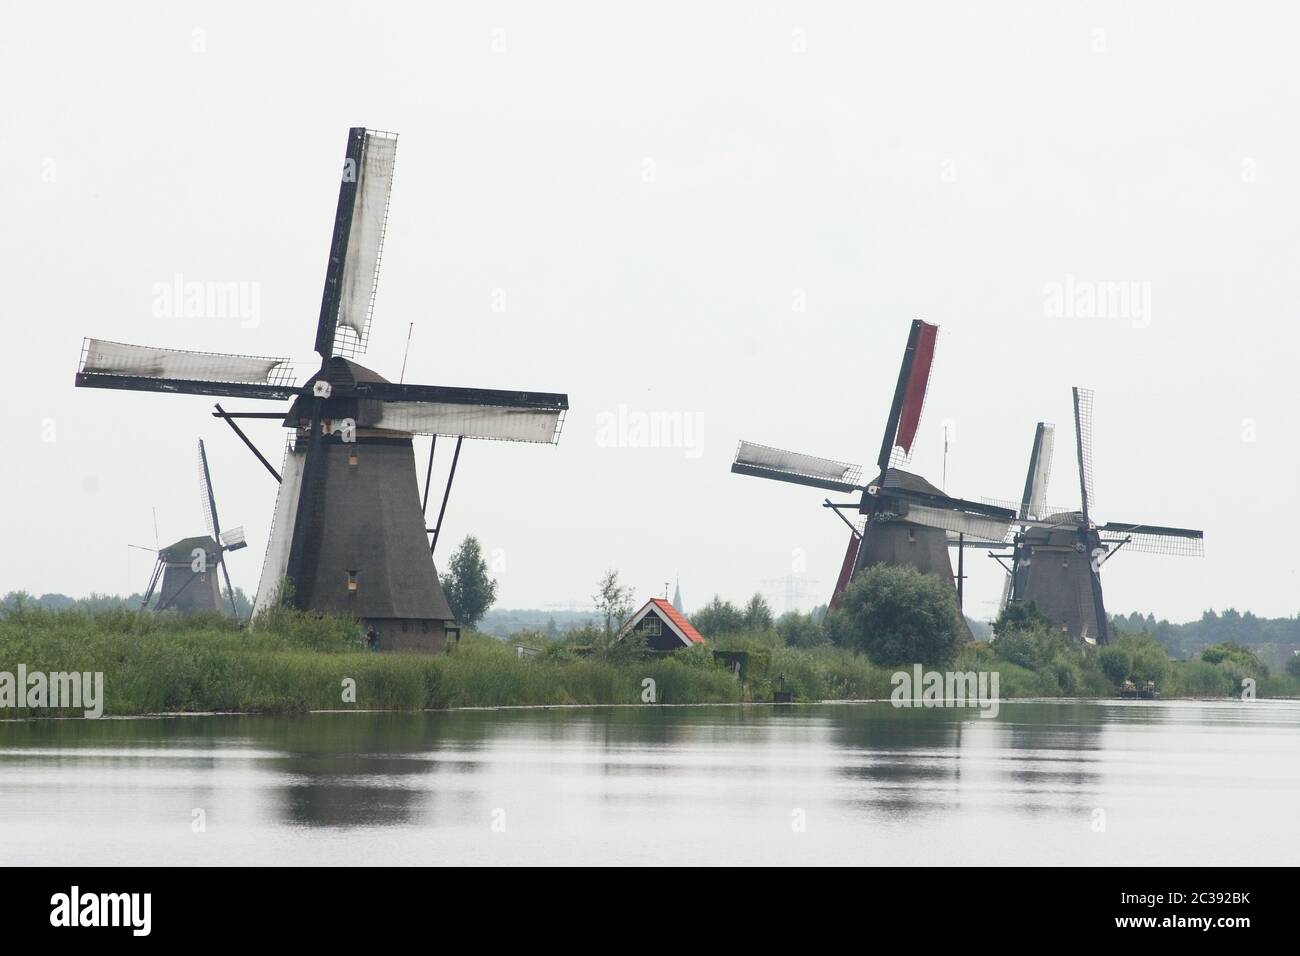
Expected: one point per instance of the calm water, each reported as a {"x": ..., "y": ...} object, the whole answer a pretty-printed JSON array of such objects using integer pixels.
[{"x": 1179, "y": 782}]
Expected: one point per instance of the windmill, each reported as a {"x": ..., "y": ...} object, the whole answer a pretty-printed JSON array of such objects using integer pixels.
[
  {"x": 185, "y": 574},
  {"x": 349, "y": 530},
  {"x": 904, "y": 520},
  {"x": 1057, "y": 555}
]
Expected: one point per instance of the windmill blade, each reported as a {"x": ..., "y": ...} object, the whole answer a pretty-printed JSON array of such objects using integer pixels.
[
  {"x": 1033, "y": 503},
  {"x": 909, "y": 393},
  {"x": 208, "y": 500},
  {"x": 150, "y": 369},
  {"x": 763, "y": 461},
  {"x": 961, "y": 522},
  {"x": 465, "y": 412},
  {"x": 357, "y": 244},
  {"x": 973, "y": 518},
  {"x": 1083, "y": 445},
  {"x": 1155, "y": 539}
]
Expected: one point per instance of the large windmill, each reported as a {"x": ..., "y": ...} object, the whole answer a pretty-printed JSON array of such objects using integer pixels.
[
  {"x": 905, "y": 520},
  {"x": 1058, "y": 555},
  {"x": 185, "y": 575},
  {"x": 349, "y": 532}
]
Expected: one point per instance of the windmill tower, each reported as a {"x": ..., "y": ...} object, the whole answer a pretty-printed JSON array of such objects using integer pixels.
[
  {"x": 349, "y": 531},
  {"x": 185, "y": 574},
  {"x": 1058, "y": 555},
  {"x": 905, "y": 520}
]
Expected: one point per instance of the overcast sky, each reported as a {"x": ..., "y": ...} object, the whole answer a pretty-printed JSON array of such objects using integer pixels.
[{"x": 721, "y": 216}]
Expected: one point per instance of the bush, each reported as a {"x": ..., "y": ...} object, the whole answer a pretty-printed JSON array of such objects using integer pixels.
[
  {"x": 898, "y": 615},
  {"x": 1021, "y": 616},
  {"x": 1116, "y": 663}
]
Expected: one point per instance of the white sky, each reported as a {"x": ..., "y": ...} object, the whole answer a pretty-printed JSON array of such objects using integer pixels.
[{"x": 943, "y": 162}]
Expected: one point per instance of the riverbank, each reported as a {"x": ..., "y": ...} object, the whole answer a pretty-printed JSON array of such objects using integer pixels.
[{"x": 298, "y": 664}]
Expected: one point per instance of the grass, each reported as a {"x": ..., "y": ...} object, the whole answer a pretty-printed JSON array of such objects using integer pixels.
[{"x": 294, "y": 662}]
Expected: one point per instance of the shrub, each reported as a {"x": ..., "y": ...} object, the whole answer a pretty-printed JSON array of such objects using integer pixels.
[{"x": 900, "y": 616}]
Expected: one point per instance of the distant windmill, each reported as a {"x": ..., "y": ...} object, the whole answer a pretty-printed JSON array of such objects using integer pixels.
[
  {"x": 349, "y": 529},
  {"x": 906, "y": 518},
  {"x": 187, "y": 569},
  {"x": 1057, "y": 556}
]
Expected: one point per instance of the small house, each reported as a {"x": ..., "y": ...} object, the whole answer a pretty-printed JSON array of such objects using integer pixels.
[{"x": 663, "y": 627}]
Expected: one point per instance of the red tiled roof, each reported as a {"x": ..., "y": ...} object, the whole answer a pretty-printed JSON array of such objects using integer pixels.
[{"x": 678, "y": 619}]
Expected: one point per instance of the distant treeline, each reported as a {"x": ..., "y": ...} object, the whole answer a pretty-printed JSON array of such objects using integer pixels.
[
  {"x": 97, "y": 603},
  {"x": 1273, "y": 639}
]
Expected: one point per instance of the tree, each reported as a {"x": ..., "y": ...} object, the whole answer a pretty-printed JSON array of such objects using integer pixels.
[
  {"x": 898, "y": 615},
  {"x": 718, "y": 617},
  {"x": 1021, "y": 616},
  {"x": 1116, "y": 663},
  {"x": 758, "y": 615},
  {"x": 614, "y": 602},
  {"x": 1293, "y": 666},
  {"x": 469, "y": 590}
]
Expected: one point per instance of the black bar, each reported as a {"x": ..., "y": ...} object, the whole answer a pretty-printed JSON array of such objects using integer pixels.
[
  {"x": 961, "y": 569},
  {"x": 222, "y": 413},
  {"x": 446, "y": 494},
  {"x": 835, "y": 510},
  {"x": 428, "y": 476},
  {"x": 391, "y": 392},
  {"x": 248, "y": 415},
  {"x": 329, "y": 306},
  {"x": 186, "y": 386}
]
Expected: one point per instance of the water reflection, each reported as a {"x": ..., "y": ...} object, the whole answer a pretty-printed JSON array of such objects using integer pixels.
[{"x": 869, "y": 783}]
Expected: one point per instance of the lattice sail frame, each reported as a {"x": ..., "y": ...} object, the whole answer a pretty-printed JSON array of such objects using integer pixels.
[
  {"x": 1083, "y": 401},
  {"x": 797, "y": 463},
  {"x": 899, "y": 456},
  {"x": 349, "y": 339},
  {"x": 102, "y": 357}
]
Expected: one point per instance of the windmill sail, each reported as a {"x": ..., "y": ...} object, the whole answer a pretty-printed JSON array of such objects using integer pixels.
[
  {"x": 1034, "y": 502},
  {"x": 100, "y": 358},
  {"x": 1083, "y": 443},
  {"x": 776, "y": 463},
  {"x": 1154, "y": 539},
  {"x": 909, "y": 393},
  {"x": 360, "y": 222}
]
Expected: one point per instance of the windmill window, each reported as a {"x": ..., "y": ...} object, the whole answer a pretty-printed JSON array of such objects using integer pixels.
[
  {"x": 352, "y": 580},
  {"x": 352, "y": 456},
  {"x": 651, "y": 626},
  {"x": 911, "y": 535}
]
